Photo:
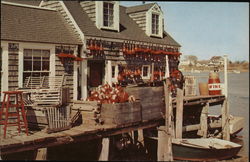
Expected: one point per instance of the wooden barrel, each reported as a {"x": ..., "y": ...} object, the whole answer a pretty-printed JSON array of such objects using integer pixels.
[
  {"x": 203, "y": 89},
  {"x": 214, "y": 87}
]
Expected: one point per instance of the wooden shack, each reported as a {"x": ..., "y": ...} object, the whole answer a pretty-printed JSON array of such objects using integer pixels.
[{"x": 94, "y": 43}]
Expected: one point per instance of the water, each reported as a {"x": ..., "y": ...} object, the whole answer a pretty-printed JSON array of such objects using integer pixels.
[{"x": 238, "y": 96}]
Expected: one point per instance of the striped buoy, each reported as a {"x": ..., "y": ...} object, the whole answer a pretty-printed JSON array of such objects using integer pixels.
[{"x": 214, "y": 86}]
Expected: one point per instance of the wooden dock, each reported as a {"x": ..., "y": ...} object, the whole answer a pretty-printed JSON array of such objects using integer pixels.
[{"x": 85, "y": 132}]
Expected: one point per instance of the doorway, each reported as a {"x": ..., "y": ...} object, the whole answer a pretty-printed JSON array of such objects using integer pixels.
[{"x": 95, "y": 73}]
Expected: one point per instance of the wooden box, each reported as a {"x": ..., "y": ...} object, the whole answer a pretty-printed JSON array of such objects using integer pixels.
[
  {"x": 152, "y": 101},
  {"x": 88, "y": 109},
  {"x": 121, "y": 114}
]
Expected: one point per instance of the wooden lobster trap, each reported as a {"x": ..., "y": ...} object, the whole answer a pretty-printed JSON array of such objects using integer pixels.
[
  {"x": 190, "y": 86},
  {"x": 58, "y": 118}
]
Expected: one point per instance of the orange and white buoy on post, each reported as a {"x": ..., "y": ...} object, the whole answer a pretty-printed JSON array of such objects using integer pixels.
[{"x": 214, "y": 86}]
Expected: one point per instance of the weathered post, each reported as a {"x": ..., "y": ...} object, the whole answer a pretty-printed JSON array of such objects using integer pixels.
[
  {"x": 108, "y": 72},
  {"x": 152, "y": 72},
  {"x": 225, "y": 106},
  {"x": 225, "y": 121},
  {"x": 168, "y": 156},
  {"x": 179, "y": 113},
  {"x": 161, "y": 143},
  {"x": 105, "y": 150},
  {"x": 140, "y": 136},
  {"x": 41, "y": 154},
  {"x": 203, "y": 121}
]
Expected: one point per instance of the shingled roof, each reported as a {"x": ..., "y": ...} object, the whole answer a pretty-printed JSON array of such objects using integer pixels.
[
  {"x": 33, "y": 24},
  {"x": 26, "y": 2},
  {"x": 129, "y": 30},
  {"x": 139, "y": 8}
]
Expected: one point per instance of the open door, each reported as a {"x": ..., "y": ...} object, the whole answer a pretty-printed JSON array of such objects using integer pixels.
[{"x": 96, "y": 73}]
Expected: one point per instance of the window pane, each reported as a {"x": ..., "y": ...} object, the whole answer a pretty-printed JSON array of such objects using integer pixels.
[
  {"x": 145, "y": 71},
  {"x": 27, "y": 54},
  {"x": 105, "y": 5},
  {"x": 27, "y": 66},
  {"x": 25, "y": 75},
  {"x": 45, "y": 65},
  {"x": 45, "y": 54},
  {"x": 37, "y": 66},
  {"x": 105, "y": 11}
]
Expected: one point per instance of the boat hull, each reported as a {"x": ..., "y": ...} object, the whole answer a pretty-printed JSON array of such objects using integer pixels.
[
  {"x": 193, "y": 153},
  {"x": 197, "y": 154}
]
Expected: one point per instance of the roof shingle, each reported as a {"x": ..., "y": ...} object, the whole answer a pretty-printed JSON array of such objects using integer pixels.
[{"x": 21, "y": 23}]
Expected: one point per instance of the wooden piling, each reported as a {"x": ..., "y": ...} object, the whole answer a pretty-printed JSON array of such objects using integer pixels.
[
  {"x": 105, "y": 150},
  {"x": 140, "y": 136},
  {"x": 168, "y": 124},
  {"x": 179, "y": 113},
  {"x": 203, "y": 121},
  {"x": 161, "y": 143},
  {"x": 225, "y": 121},
  {"x": 41, "y": 154}
]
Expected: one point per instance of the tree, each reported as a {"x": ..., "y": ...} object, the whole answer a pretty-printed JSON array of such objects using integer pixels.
[{"x": 191, "y": 58}]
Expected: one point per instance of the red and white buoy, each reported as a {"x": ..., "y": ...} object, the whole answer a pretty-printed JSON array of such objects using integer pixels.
[{"x": 214, "y": 86}]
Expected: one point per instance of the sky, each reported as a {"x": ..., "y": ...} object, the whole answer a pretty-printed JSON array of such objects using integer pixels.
[{"x": 207, "y": 29}]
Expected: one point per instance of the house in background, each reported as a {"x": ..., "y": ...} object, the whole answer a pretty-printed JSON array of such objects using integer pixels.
[{"x": 111, "y": 38}]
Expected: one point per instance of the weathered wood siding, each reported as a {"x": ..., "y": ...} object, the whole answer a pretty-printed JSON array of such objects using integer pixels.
[
  {"x": 140, "y": 19},
  {"x": 57, "y": 6},
  {"x": 60, "y": 70},
  {"x": 89, "y": 8}
]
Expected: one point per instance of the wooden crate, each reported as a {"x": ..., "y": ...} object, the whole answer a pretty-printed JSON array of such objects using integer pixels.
[
  {"x": 121, "y": 114},
  {"x": 88, "y": 110},
  {"x": 152, "y": 101}
]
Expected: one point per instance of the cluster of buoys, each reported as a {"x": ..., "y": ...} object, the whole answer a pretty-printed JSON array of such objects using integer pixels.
[
  {"x": 95, "y": 46},
  {"x": 107, "y": 94}
]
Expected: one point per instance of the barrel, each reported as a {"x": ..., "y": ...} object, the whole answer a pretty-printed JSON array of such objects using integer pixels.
[
  {"x": 203, "y": 89},
  {"x": 214, "y": 87}
]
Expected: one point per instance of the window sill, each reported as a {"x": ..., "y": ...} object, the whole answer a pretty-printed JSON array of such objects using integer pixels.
[
  {"x": 109, "y": 28},
  {"x": 154, "y": 35}
]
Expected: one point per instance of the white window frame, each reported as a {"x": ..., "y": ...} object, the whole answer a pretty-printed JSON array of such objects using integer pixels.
[
  {"x": 154, "y": 10},
  {"x": 1, "y": 84},
  {"x": 100, "y": 15},
  {"x": 5, "y": 68},
  {"x": 32, "y": 71},
  {"x": 148, "y": 73},
  {"x": 157, "y": 31}
]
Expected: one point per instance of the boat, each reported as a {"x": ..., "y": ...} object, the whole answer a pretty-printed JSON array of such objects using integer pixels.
[
  {"x": 204, "y": 149},
  {"x": 236, "y": 123},
  {"x": 236, "y": 71}
]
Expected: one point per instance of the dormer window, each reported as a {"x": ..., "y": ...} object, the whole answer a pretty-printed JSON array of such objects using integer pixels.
[
  {"x": 155, "y": 24},
  {"x": 107, "y": 15}
]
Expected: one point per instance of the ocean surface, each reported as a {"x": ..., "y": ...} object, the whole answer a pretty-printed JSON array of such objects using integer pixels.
[{"x": 238, "y": 96}]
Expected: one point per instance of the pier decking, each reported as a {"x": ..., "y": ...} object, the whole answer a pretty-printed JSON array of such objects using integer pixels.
[{"x": 86, "y": 131}]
